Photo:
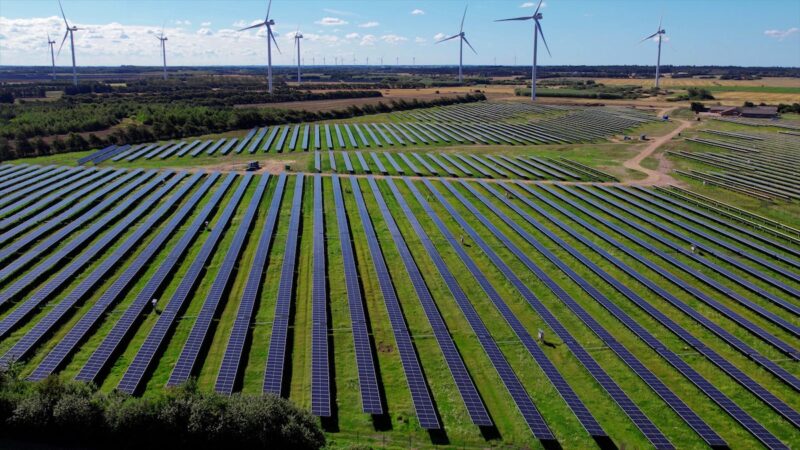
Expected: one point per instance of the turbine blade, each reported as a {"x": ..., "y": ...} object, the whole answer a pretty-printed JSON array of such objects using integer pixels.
[
  {"x": 660, "y": 21},
  {"x": 269, "y": 6},
  {"x": 62, "y": 13},
  {"x": 470, "y": 45},
  {"x": 537, "y": 7},
  {"x": 541, "y": 33},
  {"x": 649, "y": 37},
  {"x": 463, "y": 17},
  {"x": 515, "y": 18},
  {"x": 258, "y": 25},
  {"x": 447, "y": 39},
  {"x": 269, "y": 31},
  {"x": 62, "y": 43}
]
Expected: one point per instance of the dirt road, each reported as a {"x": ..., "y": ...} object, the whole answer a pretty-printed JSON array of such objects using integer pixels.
[{"x": 660, "y": 176}]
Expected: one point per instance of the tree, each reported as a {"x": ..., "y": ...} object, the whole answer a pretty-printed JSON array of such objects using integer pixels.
[
  {"x": 697, "y": 107},
  {"x": 6, "y": 97}
]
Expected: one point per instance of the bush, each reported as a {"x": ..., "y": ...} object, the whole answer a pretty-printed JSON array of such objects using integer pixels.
[{"x": 76, "y": 413}]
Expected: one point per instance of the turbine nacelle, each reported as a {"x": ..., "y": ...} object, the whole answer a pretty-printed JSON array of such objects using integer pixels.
[{"x": 537, "y": 16}]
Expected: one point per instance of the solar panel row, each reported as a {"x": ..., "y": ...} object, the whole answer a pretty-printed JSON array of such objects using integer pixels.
[
  {"x": 464, "y": 383},
  {"x": 417, "y": 384},
  {"x": 735, "y": 412},
  {"x": 134, "y": 375},
  {"x": 276, "y": 356},
  {"x": 103, "y": 354},
  {"x": 231, "y": 360},
  {"x": 320, "y": 368},
  {"x": 640, "y": 420},
  {"x": 186, "y": 363}
]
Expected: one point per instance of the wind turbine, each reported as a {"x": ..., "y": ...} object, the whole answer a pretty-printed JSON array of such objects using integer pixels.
[
  {"x": 297, "y": 36},
  {"x": 69, "y": 31},
  {"x": 660, "y": 33},
  {"x": 270, "y": 40},
  {"x": 462, "y": 39},
  {"x": 163, "y": 40},
  {"x": 52, "y": 55},
  {"x": 537, "y": 31}
]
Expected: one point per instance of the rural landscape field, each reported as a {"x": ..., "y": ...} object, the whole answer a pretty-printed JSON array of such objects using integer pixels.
[{"x": 315, "y": 229}]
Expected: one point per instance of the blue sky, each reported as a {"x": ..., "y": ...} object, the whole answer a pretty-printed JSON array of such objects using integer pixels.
[{"x": 714, "y": 32}]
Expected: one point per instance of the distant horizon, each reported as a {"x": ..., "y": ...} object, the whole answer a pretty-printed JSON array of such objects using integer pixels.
[{"x": 454, "y": 66}]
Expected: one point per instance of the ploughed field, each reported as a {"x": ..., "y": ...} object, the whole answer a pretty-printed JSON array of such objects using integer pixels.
[{"x": 410, "y": 311}]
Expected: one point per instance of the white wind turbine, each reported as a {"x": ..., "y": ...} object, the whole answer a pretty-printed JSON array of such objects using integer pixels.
[
  {"x": 462, "y": 39},
  {"x": 163, "y": 40},
  {"x": 537, "y": 31},
  {"x": 52, "y": 55},
  {"x": 69, "y": 32},
  {"x": 297, "y": 36},
  {"x": 270, "y": 40},
  {"x": 660, "y": 34}
]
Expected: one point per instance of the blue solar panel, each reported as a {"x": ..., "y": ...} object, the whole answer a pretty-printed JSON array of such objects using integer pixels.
[
  {"x": 282, "y": 139},
  {"x": 712, "y": 392},
  {"x": 350, "y": 136},
  {"x": 317, "y": 141},
  {"x": 471, "y": 163},
  {"x": 489, "y": 165},
  {"x": 364, "y": 140},
  {"x": 362, "y": 162},
  {"x": 393, "y": 163},
  {"x": 328, "y": 139},
  {"x": 231, "y": 361},
  {"x": 293, "y": 139},
  {"x": 457, "y": 164},
  {"x": 215, "y": 146},
  {"x": 396, "y": 138},
  {"x": 228, "y": 146},
  {"x": 367, "y": 377},
  {"x": 410, "y": 164},
  {"x": 394, "y": 128},
  {"x": 687, "y": 337},
  {"x": 449, "y": 170},
  {"x": 522, "y": 167},
  {"x": 332, "y": 160},
  {"x": 506, "y": 373},
  {"x": 185, "y": 365},
  {"x": 35, "y": 186},
  {"x": 305, "y": 138},
  {"x": 253, "y": 145},
  {"x": 103, "y": 354},
  {"x": 171, "y": 149},
  {"x": 84, "y": 211},
  {"x": 157, "y": 150},
  {"x": 339, "y": 137},
  {"x": 373, "y": 136},
  {"x": 348, "y": 165},
  {"x": 317, "y": 161},
  {"x": 77, "y": 333},
  {"x": 245, "y": 140},
  {"x": 507, "y": 167},
  {"x": 320, "y": 368},
  {"x": 140, "y": 152},
  {"x": 644, "y": 424},
  {"x": 270, "y": 139},
  {"x": 96, "y": 154},
  {"x": 420, "y": 395},
  {"x": 133, "y": 378},
  {"x": 276, "y": 356},
  {"x": 200, "y": 147},
  {"x": 413, "y": 135},
  {"x": 382, "y": 134},
  {"x": 21, "y": 180},
  {"x": 463, "y": 381},
  {"x": 378, "y": 163},
  {"x": 425, "y": 164}
]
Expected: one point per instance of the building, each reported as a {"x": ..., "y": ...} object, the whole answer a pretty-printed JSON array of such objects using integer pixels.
[{"x": 759, "y": 112}]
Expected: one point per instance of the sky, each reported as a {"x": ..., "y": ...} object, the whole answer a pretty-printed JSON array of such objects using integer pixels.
[{"x": 578, "y": 32}]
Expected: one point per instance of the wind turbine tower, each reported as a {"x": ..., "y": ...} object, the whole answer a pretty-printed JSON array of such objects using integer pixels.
[
  {"x": 660, "y": 34},
  {"x": 537, "y": 31},
  {"x": 70, "y": 30},
  {"x": 163, "y": 40},
  {"x": 269, "y": 23},
  {"x": 297, "y": 36},
  {"x": 52, "y": 55},
  {"x": 462, "y": 39}
]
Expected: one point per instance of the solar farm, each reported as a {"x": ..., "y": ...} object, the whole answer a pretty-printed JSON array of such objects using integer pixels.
[{"x": 437, "y": 276}]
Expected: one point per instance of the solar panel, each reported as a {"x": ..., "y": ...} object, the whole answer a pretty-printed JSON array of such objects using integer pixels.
[
  {"x": 449, "y": 170},
  {"x": 66, "y": 344},
  {"x": 96, "y": 154},
  {"x": 381, "y": 133},
  {"x": 132, "y": 380},
  {"x": 228, "y": 146},
  {"x": 367, "y": 377},
  {"x": 328, "y": 140},
  {"x": 215, "y": 146},
  {"x": 231, "y": 360},
  {"x": 320, "y": 368},
  {"x": 364, "y": 140},
  {"x": 348, "y": 165},
  {"x": 332, "y": 160},
  {"x": 84, "y": 211},
  {"x": 458, "y": 165},
  {"x": 317, "y": 162},
  {"x": 253, "y": 145},
  {"x": 21, "y": 284},
  {"x": 425, "y": 164},
  {"x": 362, "y": 162},
  {"x": 186, "y": 363},
  {"x": 506, "y": 373},
  {"x": 372, "y": 136},
  {"x": 662, "y": 318},
  {"x": 393, "y": 127},
  {"x": 21, "y": 180},
  {"x": 475, "y": 166},
  {"x": 293, "y": 138},
  {"x": 412, "y": 134},
  {"x": 378, "y": 163},
  {"x": 35, "y": 186},
  {"x": 352, "y": 139},
  {"x": 623, "y": 401},
  {"x": 690, "y": 288},
  {"x": 394, "y": 164},
  {"x": 339, "y": 137},
  {"x": 396, "y": 138},
  {"x": 490, "y": 166},
  {"x": 733, "y": 410},
  {"x": 522, "y": 167},
  {"x": 507, "y": 167},
  {"x": 417, "y": 384},
  {"x": 282, "y": 139},
  {"x": 200, "y": 147},
  {"x": 466, "y": 387},
  {"x": 276, "y": 356},
  {"x": 119, "y": 151},
  {"x": 305, "y": 138},
  {"x": 245, "y": 140},
  {"x": 270, "y": 139},
  {"x": 410, "y": 164},
  {"x": 108, "y": 347},
  {"x": 140, "y": 153},
  {"x": 156, "y": 151},
  {"x": 317, "y": 141}
]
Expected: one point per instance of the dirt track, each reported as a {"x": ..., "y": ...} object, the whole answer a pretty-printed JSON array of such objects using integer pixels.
[{"x": 660, "y": 176}]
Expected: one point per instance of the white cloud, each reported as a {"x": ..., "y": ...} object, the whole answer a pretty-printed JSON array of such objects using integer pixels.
[
  {"x": 420, "y": 40},
  {"x": 184, "y": 23},
  {"x": 331, "y": 22},
  {"x": 532, "y": 5},
  {"x": 371, "y": 24},
  {"x": 368, "y": 40},
  {"x": 393, "y": 39},
  {"x": 417, "y": 12},
  {"x": 781, "y": 34},
  {"x": 204, "y": 32},
  {"x": 439, "y": 36},
  {"x": 240, "y": 24},
  {"x": 352, "y": 36},
  {"x": 205, "y": 24}
]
